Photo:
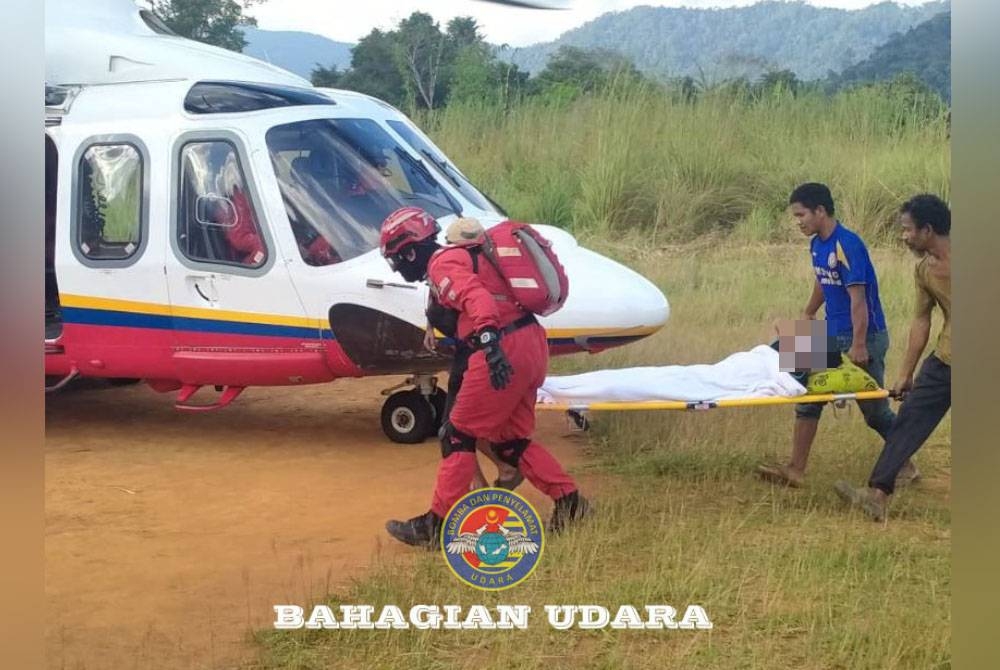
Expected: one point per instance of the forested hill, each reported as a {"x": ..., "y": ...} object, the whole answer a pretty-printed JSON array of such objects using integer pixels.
[
  {"x": 924, "y": 51},
  {"x": 716, "y": 44}
]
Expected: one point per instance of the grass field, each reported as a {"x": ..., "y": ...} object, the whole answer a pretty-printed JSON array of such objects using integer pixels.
[{"x": 789, "y": 578}]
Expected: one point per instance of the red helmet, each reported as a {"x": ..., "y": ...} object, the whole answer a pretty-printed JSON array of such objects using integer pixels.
[{"x": 406, "y": 226}]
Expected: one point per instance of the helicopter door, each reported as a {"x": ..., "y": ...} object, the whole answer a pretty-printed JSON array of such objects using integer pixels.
[
  {"x": 237, "y": 317},
  {"x": 107, "y": 313}
]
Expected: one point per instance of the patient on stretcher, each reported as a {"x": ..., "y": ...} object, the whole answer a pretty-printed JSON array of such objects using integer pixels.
[{"x": 756, "y": 373}]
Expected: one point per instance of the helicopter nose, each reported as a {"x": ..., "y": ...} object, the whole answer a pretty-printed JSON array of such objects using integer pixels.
[
  {"x": 604, "y": 293},
  {"x": 605, "y": 297}
]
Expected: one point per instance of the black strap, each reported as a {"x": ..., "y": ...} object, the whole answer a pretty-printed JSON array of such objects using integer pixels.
[{"x": 523, "y": 322}]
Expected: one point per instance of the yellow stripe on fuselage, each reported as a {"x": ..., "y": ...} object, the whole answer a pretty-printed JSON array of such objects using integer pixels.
[
  {"x": 89, "y": 302},
  {"x": 569, "y": 333},
  {"x": 112, "y": 304},
  {"x": 638, "y": 331}
]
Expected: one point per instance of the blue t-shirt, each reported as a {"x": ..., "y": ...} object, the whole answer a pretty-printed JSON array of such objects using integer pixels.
[{"x": 840, "y": 261}]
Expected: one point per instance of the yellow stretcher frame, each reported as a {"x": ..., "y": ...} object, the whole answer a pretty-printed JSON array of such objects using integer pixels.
[{"x": 698, "y": 405}]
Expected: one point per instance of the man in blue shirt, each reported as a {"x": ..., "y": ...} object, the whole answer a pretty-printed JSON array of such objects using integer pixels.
[{"x": 847, "y": 285}]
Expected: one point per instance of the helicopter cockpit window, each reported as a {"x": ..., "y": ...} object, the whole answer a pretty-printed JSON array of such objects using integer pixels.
[
  {"x": 340, "y": 178},
  {"x": 432, "y": 154},
  {"x": 216, "y": 222},
  {"x": 110, "y": 207}
]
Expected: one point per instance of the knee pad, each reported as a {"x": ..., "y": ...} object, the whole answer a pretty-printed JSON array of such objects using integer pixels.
[
  {"x": 510, "y": 452},
  {"x": 454, "y": 440}
]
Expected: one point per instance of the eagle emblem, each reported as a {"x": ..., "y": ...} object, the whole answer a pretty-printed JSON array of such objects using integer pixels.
[{"x": 492, "y": 546}]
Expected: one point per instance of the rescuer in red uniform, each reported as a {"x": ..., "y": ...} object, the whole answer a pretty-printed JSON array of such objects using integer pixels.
[{"x": 497, "y": 399}]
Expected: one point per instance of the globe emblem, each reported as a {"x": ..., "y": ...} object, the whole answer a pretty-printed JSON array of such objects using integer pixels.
[{"x": 492, "y": 548}]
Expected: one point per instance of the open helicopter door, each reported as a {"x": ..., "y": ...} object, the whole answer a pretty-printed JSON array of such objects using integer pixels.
[{"x": 237, "y": 318}]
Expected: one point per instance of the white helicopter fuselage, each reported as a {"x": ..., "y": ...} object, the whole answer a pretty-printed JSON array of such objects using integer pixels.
[{"x": 176, "y": 300}]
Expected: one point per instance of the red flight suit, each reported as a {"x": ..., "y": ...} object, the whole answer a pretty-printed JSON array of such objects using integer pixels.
[
  {"x": 242, "y": 235},
  {"x": 483, "y": 299}
]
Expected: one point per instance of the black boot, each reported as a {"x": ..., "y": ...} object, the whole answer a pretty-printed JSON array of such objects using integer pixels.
[
  {"x": 570, "y": 508},
  {"x": 420, "y": 531}
]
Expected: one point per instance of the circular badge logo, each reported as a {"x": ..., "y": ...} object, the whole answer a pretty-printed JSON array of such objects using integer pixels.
[{"x": 492, "y": 539}]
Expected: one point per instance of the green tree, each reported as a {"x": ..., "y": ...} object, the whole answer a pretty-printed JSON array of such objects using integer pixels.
[
  {"x": 477, "y": 75},
  {"x": 328, "y": 77},
  {"x": 777, "y": 80},
  {"x": 211, "y": 21},
  {"x": 374, "y": 70},
  {"x": 463, "y": 31},
  {"x": 418, "y": 65},
  {"x": 584, "y": 70},
  {"x": 420, "y": 54}
]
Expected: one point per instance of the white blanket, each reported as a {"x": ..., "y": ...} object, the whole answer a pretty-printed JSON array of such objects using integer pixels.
[{"x": 747, "y": 374}]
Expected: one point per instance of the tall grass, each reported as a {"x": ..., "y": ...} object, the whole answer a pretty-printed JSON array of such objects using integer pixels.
[{"x": 638, "y": 159}]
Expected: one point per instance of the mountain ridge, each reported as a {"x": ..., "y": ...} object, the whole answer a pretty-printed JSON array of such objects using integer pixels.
[
  {"x": 722, "y": 43},
  {"x": 294, "y": 50}
]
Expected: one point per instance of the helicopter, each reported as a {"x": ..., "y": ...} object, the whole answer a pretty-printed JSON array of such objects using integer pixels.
[{"x": 212, "y": 221}]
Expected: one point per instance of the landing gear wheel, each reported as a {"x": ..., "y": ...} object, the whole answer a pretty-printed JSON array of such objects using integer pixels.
[
  {"x": 407, "y": 417},
  {"x": 438, "y": 400}
]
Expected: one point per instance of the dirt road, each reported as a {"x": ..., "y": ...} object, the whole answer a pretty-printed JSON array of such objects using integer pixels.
[{"x": 169, "y": 535}]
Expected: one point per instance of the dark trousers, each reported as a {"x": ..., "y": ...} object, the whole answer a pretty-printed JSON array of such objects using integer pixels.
[
  {"x": 459, "y": 364},
  {"x": 920, "y": 414}
]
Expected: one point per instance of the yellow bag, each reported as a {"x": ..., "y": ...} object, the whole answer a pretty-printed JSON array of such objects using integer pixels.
[{"x": 848, "y": 378}]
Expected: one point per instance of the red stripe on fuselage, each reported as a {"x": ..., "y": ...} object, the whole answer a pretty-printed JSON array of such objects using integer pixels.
[{"x": 197, "y": 357}]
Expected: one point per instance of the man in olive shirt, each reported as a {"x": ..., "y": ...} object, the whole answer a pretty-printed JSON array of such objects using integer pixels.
[{"x": 926, "y": 226}]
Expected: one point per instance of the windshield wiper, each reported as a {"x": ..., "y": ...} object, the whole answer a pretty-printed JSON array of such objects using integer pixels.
[
  {"x": 450, "y": 173},
  {"x": 445, "y": 168},
  {"x": 419, "y": 166}
]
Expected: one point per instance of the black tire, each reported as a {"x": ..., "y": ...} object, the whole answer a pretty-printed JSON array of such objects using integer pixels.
[
  {"x": 407, "y": 417},
  {"x": 438, "y": 400}
]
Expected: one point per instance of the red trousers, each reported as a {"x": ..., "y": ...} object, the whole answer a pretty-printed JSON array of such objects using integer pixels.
[{"x": 501, "y": 416}]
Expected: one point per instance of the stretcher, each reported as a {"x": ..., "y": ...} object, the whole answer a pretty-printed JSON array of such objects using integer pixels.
[
  {"x": 619, "y": 406},
  {"x": 744, "y": 379}
]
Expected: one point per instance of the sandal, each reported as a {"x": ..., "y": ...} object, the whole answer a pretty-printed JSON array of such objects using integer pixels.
[
  {"x": 509, "y": 484},
  {"x": 779, "y": 474}
]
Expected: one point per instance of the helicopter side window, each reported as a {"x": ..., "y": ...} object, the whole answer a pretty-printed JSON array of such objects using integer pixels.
[
  {"x": 216, "y": 219},
  {"x": 110, "y": 202}
]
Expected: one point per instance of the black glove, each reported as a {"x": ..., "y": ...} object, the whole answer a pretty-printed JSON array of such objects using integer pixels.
[{"x": 488, "y": 339}]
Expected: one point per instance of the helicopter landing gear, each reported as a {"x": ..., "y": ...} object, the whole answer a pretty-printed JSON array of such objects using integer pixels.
[{"x": 413, "y": 415}]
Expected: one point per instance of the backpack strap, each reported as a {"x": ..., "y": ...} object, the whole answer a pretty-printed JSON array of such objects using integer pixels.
[{"x": 474, "y": 252}]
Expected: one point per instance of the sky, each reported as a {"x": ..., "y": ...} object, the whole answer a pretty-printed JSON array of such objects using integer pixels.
[{"x": 349, "y": 21}]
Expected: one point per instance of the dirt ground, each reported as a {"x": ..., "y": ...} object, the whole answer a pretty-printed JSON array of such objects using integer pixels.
[{"x": 170, "y": 535}]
